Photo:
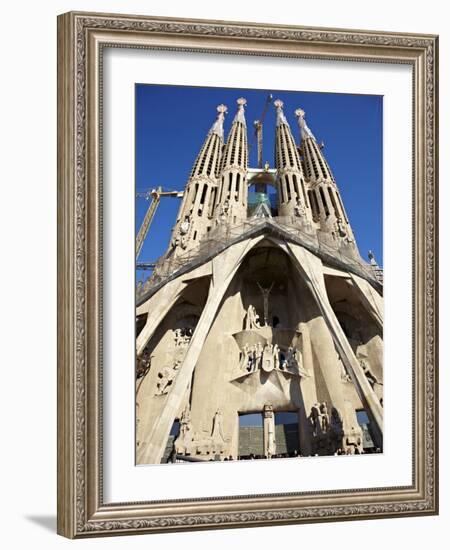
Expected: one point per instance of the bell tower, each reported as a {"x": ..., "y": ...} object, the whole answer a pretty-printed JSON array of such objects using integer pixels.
[
  {"x": 292, "y": 199},
  {"x": 326, "y": 203},
  {"x": 196, "y": 209},
  {"x": 266, "y": 312},
  {"x": 231, "y": 201}
]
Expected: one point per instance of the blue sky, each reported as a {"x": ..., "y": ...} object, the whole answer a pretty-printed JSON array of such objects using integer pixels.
[{"x": 172, "y": 123}]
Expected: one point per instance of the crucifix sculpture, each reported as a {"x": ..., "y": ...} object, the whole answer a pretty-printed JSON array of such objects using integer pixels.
[{"x": 265, "y": 292}]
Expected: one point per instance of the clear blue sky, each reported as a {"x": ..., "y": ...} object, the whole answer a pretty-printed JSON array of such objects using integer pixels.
[{"x": 172, "y": 123}]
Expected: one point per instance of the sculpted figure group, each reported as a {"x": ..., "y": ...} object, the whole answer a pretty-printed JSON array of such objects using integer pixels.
[
  {"x": 167, "y": 374},
  {"x": 252, "y": 319},
  {"x": 269, "y": 357},
  {"x": 319, "y": 418}
]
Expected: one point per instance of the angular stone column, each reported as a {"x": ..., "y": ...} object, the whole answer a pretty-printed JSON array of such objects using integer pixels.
[
  {"x": 162, "y": 301},
  {"x": 311, "y": 269},
  {"x": 158, "y": 306},
  {"x": 372, "y": 301},
  {"x": 225, "y": 266},
  {"x": 270, "y": 446}
]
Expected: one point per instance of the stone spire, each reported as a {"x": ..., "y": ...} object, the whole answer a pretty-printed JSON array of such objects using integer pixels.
[
  {"x": 281, "y": 119},
  {"x": 324, "y": 197},
  {"x": 292, "y": 198},
  {"x": 231, "y": 201},
  {"x": 315, "y": 164},
  {"x": 195, "y": 213},
  {"x": 217, "y": 127}
]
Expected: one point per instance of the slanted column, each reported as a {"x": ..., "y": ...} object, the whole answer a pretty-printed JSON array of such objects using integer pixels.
[
  {"x": 225, "y": 265},
  {"x": 311, "y": 269}
]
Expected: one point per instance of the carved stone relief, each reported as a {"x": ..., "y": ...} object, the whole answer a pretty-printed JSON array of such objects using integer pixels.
[
  {"x": 166, "y": 376},
  {"x": 270, "y": 357},
  {"x": 202, "y": 445},
  {"x": 181, "y": 236},
  {"x": 376, "y": 384},
  {"x": 182, "y": 337},
  {"x": 326, "y": 431},
  {"x": 252, "y": 318},
  {"x": 143, "y": 363}
]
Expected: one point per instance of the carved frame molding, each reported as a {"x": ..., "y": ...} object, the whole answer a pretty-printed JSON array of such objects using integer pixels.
[{"x": 81, "y": 38}]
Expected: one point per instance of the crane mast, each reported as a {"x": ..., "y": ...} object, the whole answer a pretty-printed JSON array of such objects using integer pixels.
[
  {"x": 258, "y": 125},
  {"x": 155, "y": 195}
]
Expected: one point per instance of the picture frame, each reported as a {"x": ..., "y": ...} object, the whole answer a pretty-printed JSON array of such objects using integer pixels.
[{"x": 82, "y": 39}]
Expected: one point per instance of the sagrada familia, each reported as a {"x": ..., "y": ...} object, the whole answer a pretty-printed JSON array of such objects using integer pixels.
[{"x": 262, "y": 305}]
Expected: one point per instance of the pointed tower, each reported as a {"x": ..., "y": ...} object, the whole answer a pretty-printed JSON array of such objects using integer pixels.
[
  {"x": 270, "y": 315},
  {"x": 231, "y": 200},
  {"x": 196, "y": 209},
  {"x": 326, "y": 204},
  {"x": 292, "y": 199}
]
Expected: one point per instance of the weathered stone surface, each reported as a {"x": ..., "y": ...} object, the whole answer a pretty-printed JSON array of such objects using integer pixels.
[{"x": 268, "y": 324}]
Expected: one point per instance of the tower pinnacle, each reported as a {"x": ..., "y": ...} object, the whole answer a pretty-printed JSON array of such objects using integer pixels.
[
  {"x": 281, "y": 119},
  {"x": 240, "y": 115},
  {"x": 291, "y": 183},
  {"x": 217, "y": 127},
  {"x": 324, "y": 197},
  {"x": 194, "y": 215},
  {"x": 231, "y": 200},
  {"x": 304, "y": 130}
]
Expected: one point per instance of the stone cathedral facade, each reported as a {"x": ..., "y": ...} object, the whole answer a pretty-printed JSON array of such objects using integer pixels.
[{"x": 262, "y": 307}]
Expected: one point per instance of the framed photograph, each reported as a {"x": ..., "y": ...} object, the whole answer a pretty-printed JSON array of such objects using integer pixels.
[{"x": 247, "y": 284}]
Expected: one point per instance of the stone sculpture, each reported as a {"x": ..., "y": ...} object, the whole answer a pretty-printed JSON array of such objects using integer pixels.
[
  {"x": 166, "y": 376},
  {"x": 252, "y": 319}
]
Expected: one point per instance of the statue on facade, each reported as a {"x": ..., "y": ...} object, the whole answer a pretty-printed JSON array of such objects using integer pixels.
[
  {"x": 299, "y": 209},
  {"x": 276, "y": 356},
  {"x": 259, "y": 350},
  {"x": 345, "y": 377},
  {"x": 224, "y": 210},
  {"x": 376, "y": 384},
  {"x": 270, "y": 446},
  {"x": 353, "y": 440},
  {"x": 340, "y": 228},
  {"x": 245, "y": 358},
  {"x": 186, "y": 435},
  {"x": 268, "y": 362},
  {"x": 183, "y": 336},
  {"x": 298, "y": 358},
  {"x": 166, "y": 376},
  {"x": 184, "y": 226},
  {"x": 217, "y": 430},
  {"x": 252, "y": 319},
  {"x": 180, "y": 238},
  {"x": 371, "y": 378},
  {"x": 325, "y": 419},
  {"x": 143, "y": 364},
  {"x": 315, "y": 418},
  {"x": 290, "y": 358},
  {"x": 265, "y": 292},
  {"x": 185, "y": 422},
  {"x": 336, "y": 421}
]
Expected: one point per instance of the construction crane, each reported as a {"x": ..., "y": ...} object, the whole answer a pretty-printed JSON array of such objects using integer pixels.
[
  {"x": 155, "y": 195},
  {"x": 258, "y": 125}
]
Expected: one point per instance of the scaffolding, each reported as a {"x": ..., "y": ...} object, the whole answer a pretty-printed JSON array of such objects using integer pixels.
[{"x": 299, "y": 231}]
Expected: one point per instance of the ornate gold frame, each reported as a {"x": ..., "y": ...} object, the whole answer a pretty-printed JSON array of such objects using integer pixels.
[{"x": 81, "y": 37}]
